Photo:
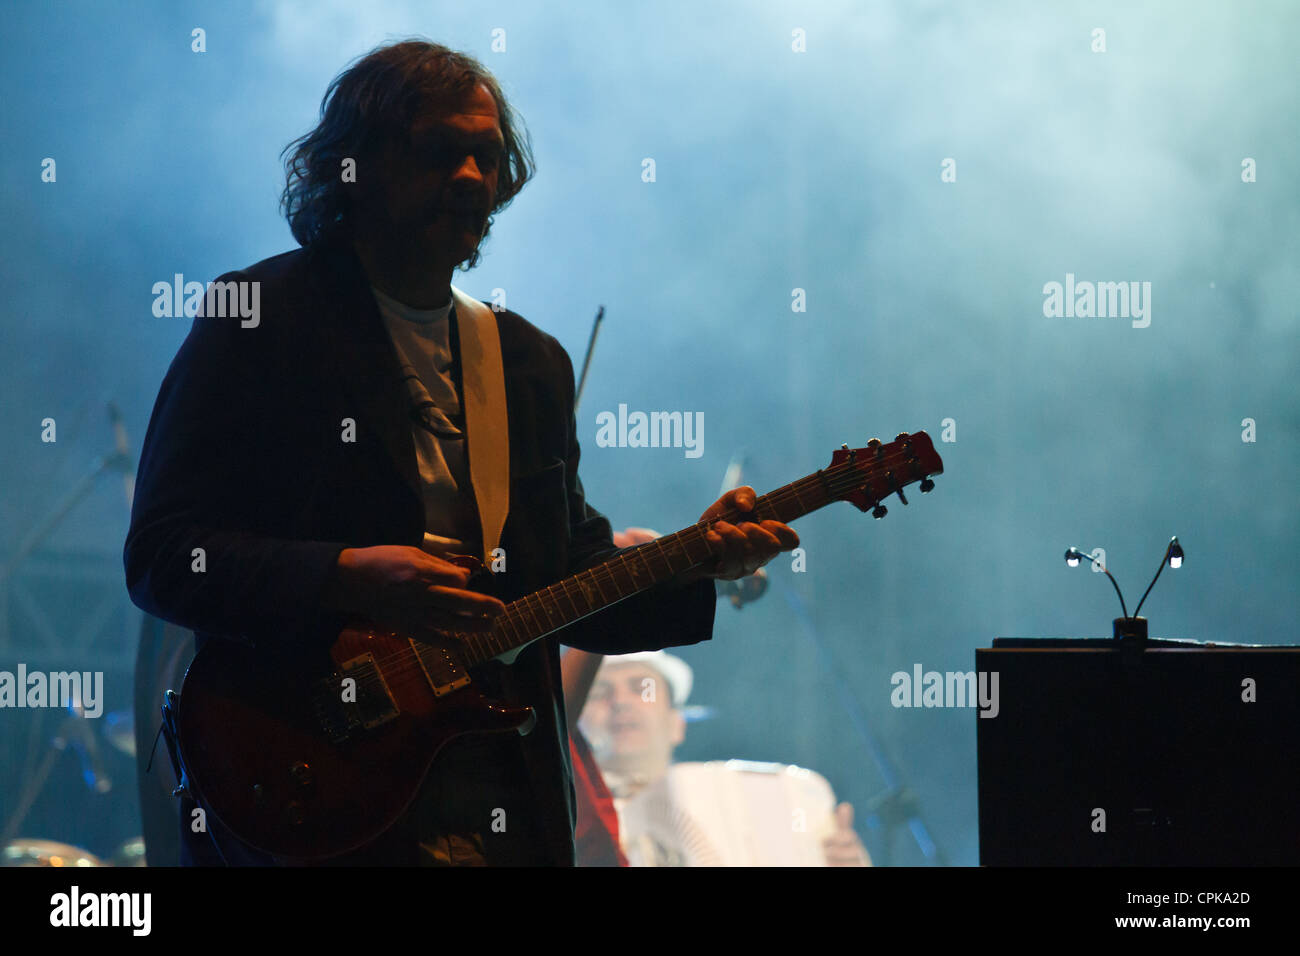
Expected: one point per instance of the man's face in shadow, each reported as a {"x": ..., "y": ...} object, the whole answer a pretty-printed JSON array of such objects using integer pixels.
[
  {"x": 431, "y": 192},
  {"x": 630, "y": 720}
]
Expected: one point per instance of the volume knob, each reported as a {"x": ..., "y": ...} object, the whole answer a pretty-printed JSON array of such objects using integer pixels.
[{"x": 301, "y": 774}]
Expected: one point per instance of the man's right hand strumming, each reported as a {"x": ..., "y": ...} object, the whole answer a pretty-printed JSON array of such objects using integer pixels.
[{"x": 410, "y": 591}]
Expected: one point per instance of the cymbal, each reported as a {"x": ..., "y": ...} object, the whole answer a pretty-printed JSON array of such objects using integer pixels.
[{"x": 26, "y": 852}]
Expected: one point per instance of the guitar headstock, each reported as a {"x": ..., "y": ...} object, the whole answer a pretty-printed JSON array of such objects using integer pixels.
[{"x": 865, "y": 476}]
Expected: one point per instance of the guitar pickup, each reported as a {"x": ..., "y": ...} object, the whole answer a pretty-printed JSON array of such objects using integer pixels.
[
  {"x": 441, "y": 668},
  {"x": 367, "y": 701}
]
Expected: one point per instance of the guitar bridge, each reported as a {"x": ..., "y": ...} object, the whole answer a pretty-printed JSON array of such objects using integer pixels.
[{"x": 355, "y": 698}]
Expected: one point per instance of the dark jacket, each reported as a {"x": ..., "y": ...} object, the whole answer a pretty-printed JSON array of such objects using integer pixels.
[{"x": 243, "y": 459}]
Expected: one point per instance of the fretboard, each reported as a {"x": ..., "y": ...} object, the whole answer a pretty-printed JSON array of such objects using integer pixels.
[{"x": 634, "y": 570}]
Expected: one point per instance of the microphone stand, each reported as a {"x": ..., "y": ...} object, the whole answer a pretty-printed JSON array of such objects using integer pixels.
[
  {"x": 586, "y": 362},
  {"x": 897, "y": 805},
  {"x": 117, "y": 460}
]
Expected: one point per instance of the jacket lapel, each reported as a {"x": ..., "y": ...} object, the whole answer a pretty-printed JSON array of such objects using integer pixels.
[{"x": 362, "y": 354}]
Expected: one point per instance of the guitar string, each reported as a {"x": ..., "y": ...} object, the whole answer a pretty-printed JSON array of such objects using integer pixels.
[{"x": 406, "y": 661}]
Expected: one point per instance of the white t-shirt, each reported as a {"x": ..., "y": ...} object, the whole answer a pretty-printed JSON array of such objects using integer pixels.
[{"x": 422, "y": 340}]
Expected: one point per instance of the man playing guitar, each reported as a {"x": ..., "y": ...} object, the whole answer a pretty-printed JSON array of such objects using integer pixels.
[{"x": 329, "y": 464}]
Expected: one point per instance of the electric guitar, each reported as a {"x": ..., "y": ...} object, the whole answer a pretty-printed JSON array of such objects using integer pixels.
[{"x": 307, "y": 762}]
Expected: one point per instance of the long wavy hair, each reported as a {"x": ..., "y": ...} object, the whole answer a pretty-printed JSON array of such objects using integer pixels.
[{"x": 375, "y": 100}]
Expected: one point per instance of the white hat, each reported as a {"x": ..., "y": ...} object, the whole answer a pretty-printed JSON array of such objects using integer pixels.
[{"x": 674, "y": 670}]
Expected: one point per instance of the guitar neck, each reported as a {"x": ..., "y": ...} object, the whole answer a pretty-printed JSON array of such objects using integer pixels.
[{"x": 638, "y": 569}]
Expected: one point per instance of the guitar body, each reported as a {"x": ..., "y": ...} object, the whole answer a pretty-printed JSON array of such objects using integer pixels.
[{"x": 310, "y": 763}]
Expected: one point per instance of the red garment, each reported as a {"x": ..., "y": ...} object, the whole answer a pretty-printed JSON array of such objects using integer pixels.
[{"x": 596, "y": 834}]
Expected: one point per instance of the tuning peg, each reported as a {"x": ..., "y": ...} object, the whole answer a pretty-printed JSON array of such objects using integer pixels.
[
  {"x": 902, "y": 436},
  {"x": 844, "y": 446},
  {"x": 874, "y": 447},
  {"x": 879, "y": 511},
  {"x": 927, "y": 486},
  {"x": 899, "y": 492}
]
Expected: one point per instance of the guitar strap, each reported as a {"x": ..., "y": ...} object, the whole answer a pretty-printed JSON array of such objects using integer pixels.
[
  {"x": 488, "y": 441},
  {"x": 487, "y": 431}
]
